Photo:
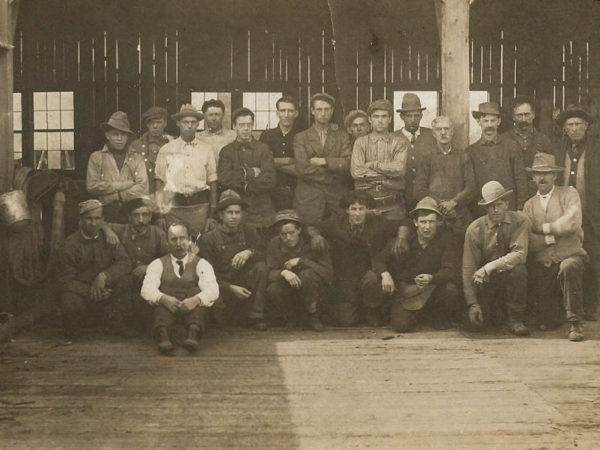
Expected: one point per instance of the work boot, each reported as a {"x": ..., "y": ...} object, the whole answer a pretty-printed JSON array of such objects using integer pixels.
[
  {"x": 518, "y": 328},
  {"x": 576, "y": 332},
  {"x": 191, "y": 341},
  {"x": 315, "y": 323},
  {"x": 164, "y": 343},
  {"x": 373, "y": 317},
  {"x": 259, "y": 324}
]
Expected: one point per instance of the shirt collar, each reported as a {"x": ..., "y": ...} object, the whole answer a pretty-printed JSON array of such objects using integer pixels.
[
  {"x": 492, "y": 142},
  {"x": 387, "y": 137},
  {"x": 409, "y": 135},
  {"x": 194, "y": 142},
  {"x": 210, "y": 132},
  {"x": 250, "y": 144},
  {"x": 134, "y": 235},
  {"x": 185, "y": 259},
  {"x": 319, "y": 130},
  {"x": 89, "y": 238},
  {"x": 490, "y": 224},
  {"x": 549, "y": 194}
]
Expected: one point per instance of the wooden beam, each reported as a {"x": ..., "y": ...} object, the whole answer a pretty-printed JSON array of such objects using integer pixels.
[
  {"x": 453, "y": 22},
  {"x": 6, "y": 93}
]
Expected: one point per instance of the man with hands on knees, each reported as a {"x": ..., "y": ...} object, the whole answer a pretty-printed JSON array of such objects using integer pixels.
[
  {"x": 495, "y": 252},
  {"x": 179, "y": 283}
]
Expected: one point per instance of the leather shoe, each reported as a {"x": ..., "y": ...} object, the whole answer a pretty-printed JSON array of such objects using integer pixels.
[
  {"x": 576, "y": 332},
  {"x": 191, "y": 341},
  {"x": 164, "y": 343},
  {"x": 315, "y": 323},
  {"x": 518, "y": 329}
]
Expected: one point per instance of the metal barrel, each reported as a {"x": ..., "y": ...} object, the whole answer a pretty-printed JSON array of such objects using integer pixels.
[{"x": 14, "y": 211}]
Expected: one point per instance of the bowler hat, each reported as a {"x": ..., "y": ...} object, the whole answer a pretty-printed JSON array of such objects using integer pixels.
[
  {"x": 487, "y": 108},
  {"x": 410, "y": 102},
  {"x": 286, "y": 215},
  {"x": 544, "y": 162},
  {"x": 188, "y": 110},
  {"x": 357, "y": 196},
  {"x": 492, "y": 191},
  {"x": 89, "y": 205},
  {"x": 154, "y": 112},
  {"x": 323, "y": 97},
  {"x": 135, "y": 203},
  {"x": 426, "y": 204},
  {"x": 352, "y": 115},
  {"x": 230, "y": 197},
  {"x": 118, "y": 121},
  {"x": 574, "y": 111}
]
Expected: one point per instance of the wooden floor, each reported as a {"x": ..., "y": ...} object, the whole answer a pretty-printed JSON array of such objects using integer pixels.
[{"x": 345, "y": 388}]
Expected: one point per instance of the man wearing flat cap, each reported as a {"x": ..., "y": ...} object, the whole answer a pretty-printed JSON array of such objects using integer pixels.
[
  {"x": 424, "y": 280},
  {"x": 378, "y": 162},
  {"x": 579, "y": 154},
  {"x": 419, "y": 139},
  {"x": 236, "y": 252},
  {"x": 186, "y": 176},
  {"x": 357, "y": 124},
  {"x": 496, "y": 158},
  {"x": 557, "y": 258},
  {"x": 322, "y": 154},
  {"x": 116, "y": 173},
  {"x": 90, "y": 272},
  {"x": 495, "y": 251},
  {"x": 214, "y": 134},
  {"x": 297, "y": 272},
  {"x": 148, "y": 145}
]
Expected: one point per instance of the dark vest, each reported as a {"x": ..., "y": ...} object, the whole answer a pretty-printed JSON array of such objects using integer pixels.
[{"x": 180, "y": 288}]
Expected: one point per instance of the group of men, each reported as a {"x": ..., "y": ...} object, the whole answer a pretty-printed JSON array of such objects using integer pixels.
[{"x": 348, "y": 226}]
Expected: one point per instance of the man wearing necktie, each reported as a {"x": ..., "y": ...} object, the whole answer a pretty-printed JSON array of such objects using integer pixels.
[
  {"x": 179, "y": 284},
  {"x": 495, "y": 252},
  {"x": 556, "y": 246}
]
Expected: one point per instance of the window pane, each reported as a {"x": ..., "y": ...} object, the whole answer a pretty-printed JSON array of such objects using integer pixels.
[
  {"x": 40, "y": 120},
  {"x": 54, "y": 160},
  {"x": 39, "y": 101},
  {"x": 67, "y": 141},
  {"x": 17, "y": 121},
  {"x": 17, "y": 101},
  {"x": 210, "y": 96},
  {"x": 273, "y": 97},
  {"x": 40, "y": 160},
  {"x": 197, "y": 99},
  {"x": 249, "y": 100},
  {"x": 54, "y": 120},
  {"x": 53, "y": 99},
  {"x": 66, "y": 120},
  {"x": 66, "y": 101},
  {"x": 18, "y": 143},
  {"x": 262, "y": 101},
  {"x": 40, "y": 141},
  {"x": 262, "y": 121},
  {"x": 68, "y": 160},
  {"x": 54, "y": 141},
  {"x": 273, "y": 119}
]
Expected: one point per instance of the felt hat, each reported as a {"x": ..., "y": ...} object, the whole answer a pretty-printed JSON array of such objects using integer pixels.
[
  {"x": 487, "y": 108},
  {"x": 230, "y": 197},
  {"x": 89, "y": 205},
  {"x": 426, "y": 204},
  {"x": 357, "y": 196},
  {"x": 574, "y": 111},
  {"x": 286, "y": 215},
  {"x": 413, "y": 297},
  {"x": 187, "y": 110},
  {"x": 544, "y": 163},
  {"x": 323, "y": 97},
  {"x": 118, "y": 121},
  {"x": 380, "y": 105},
  {"x": 492, "y": 191},
  {"x": 241, "y": 112},
  {"x": 135, "y": 203},
  {"x": 352, "y": 115},
  {"x": 154, "y": 112},
  {"x": 410, "y": 102}
]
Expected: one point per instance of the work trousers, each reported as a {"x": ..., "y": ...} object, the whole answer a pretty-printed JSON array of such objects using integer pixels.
[
  {"x": 591, "y": 277},
  {"x": 285, "y": 298},
  {"x": 283, "y": 197},
  {"x": 192, "y": 216},
  {"x": 165, "y": 318},
  {"x": 442, "y": 306},
  {"x": 354, "y": 294},
  {"x": 556, "y": 285}
]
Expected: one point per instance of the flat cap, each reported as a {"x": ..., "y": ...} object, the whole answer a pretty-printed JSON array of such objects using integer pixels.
[
  {"x": 322, "y": 96},
  {"x": 381, "y": 105},
  {"x": 155, "y": 112},
  {"x": 89, "y": 205}
]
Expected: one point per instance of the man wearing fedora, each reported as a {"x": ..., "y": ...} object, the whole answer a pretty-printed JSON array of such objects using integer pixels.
[
  {"x": 322, "y": 154},
  {"x": 378, "y": 162},
  {"x": 497, "y": 159},
  {"x": 495, "y": 251},
  {"x": 214, "y": 134},
  {"x": 424, "y": 280},
  {"x": 579, "y": 154},
  {"x": 186, "y": 176},
  {"x": 90, "y": 273},
  {"x": 179, "y": 284},
  {"x": 246, "y": 165},
  {"x": 557, "y": 258},
  {"x": 148, "y": 145},
  {"x": 357, "y": 124},
  {"x": 116, "y": 173},
  {"x": 297, "y": 272},
  {"x": 419, "y": 139},
  {"x": 236, "y": 252}
]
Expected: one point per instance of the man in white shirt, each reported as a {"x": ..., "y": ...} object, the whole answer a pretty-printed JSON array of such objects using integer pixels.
[{"x": 179, "y": 283}]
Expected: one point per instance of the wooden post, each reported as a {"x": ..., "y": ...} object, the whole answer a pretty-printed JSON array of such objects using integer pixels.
[{"x": 453, "y": 25}]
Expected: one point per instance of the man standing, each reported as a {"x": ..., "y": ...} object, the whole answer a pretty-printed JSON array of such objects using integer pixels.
[
  {"x": 529, "y": 139},
  {"x": 445, "y": 173},
  {"x": 246, "y": 166},
  {"x": 296, "y": 271},
  {"x": 425, "y": 279},
  {"x": 357, "y": 124},
  {"x": 322, "y": 156},
  {"x": 497, "y": 159},
  {"x": 214, "y": 134},
  {"x": 281, "y": 142},
  {"x": 556, "y": 246},
  {"x": 236, "y": 252},
  {"x": 419, "y": 138},
  {"x": 494, "y": 262},
  {"x": 148, "y": 145},
  {"x": 116, "y": 173},
  {"x": 579, "y": 154},
  {"x": 378, "y": 162},
  {"x": 90, "y": 273},
  {"x": 179, "y": 283},
  {"x": 186, "y": 176}
]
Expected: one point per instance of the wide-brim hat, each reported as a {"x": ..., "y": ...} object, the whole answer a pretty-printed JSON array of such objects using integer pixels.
[
  {"x": 187, "y": 110},
  {"x": 410, "y": 102},
  {"x": 492, "y": 191},
  {"x": 544, "y": 163},
  {"x": 230, "y": 197},
  {"x": 286, "y": 215},
  {"x": 118, "y": 121},
  {"x": 574, "y": 111},
  {"x": 413, "y": 298},
  {"x": 486, "y": 108},
  {"x": 154, "y": 112},
  {"x": 357, "y": 196},
  {"x": 426, "y": 204},
  {"x": 135, "y": 203}
]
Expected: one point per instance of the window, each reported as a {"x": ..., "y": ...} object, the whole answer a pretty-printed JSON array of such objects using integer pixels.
[
  {"x": 429, "y": 100},
  {"x": 17, "y": 126},
  {"x": 198, "y": 99},
  {"x": 263, "y": 104},
  {"x": 53, "y": 124}
]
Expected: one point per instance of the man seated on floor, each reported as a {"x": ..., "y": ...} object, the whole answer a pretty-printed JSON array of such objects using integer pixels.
[
  {"x": 179, "y": 283},
  {"x": 424, "y": 280},
  {"x": 557, "y": 258},
  {"x": 90, "y": 274},
  {"x": 355, "y": 238},
  {"x": 297, "y": 273},
  {"x": 495, "y": 251},
  {"x": 236, "y": 252}
]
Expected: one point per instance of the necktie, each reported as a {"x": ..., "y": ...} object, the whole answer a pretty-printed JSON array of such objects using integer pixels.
[
  {"x": 180, "y": 264},
  {"x": 500, "y": 240},
  {"x": 413, "y": 138}
]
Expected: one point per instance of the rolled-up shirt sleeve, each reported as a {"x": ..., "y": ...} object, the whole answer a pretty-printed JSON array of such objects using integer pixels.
[
  {"x": 518, "y": 250},
  {"x": 151, "y": 285},
  {"x": 207, "y": 282}
]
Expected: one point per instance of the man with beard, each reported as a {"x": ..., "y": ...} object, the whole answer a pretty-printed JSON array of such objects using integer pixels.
[
  {"x": 214, "y": 134},
  {"x": 116, "y": 173}
]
